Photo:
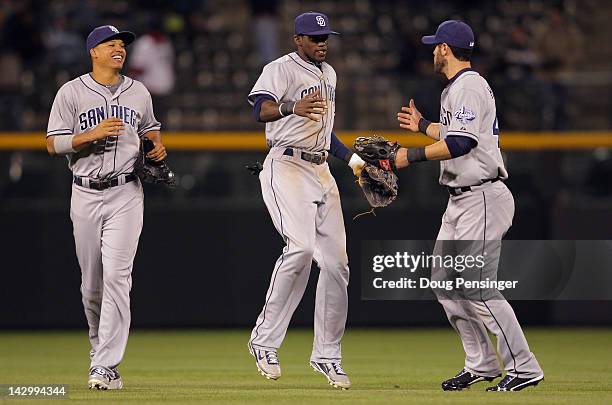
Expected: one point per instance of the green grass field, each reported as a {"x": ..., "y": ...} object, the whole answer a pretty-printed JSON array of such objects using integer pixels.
[{"x": 386, "y": 366}]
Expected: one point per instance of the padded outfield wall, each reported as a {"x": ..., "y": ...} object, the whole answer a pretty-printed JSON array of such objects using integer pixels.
[{"x": 207, "y": 249}]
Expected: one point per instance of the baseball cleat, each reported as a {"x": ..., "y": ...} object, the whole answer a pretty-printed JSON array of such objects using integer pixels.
[
  {"x": 103, "y": 378},
  {"x": 267, "y": 363},
  {"x": 510, "y": 383},
  {"x": 463, "y": 380},
  {"x": 336, "y": 376}
]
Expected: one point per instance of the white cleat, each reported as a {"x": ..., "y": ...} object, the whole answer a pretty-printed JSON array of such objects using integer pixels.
[
  {"x": 336, "y": 376},
  {"x": 267, "y": 363},
  {"x": 103, "y": 378}
]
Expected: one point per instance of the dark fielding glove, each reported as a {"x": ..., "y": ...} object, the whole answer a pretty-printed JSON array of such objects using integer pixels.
[
  {"x": 377, "y": 150},
  {"x": 152, "y": 172},
  {"x": 254, "y": 168},
  {"x": 379, "y": 186}
]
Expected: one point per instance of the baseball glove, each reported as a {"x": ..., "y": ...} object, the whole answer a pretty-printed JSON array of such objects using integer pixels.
[
  {"x": 254, "y": 168},
  {"x": 152, "y": 172},
  {"x": 377, "y": 151},
  {"x": 379, "y": 186}
]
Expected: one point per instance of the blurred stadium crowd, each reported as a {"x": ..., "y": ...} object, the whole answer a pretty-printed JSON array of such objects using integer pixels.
[{"x": 547, "y": 61}]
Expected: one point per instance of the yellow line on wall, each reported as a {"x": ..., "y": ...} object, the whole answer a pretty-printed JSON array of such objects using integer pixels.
[{"x": 250, "y": 141}]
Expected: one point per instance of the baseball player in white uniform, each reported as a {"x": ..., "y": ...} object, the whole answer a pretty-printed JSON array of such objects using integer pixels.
[
  {"x": 96, "y": 121},
  {"x": 480, "y": 208},
  {"x": 295, "y": 97}
]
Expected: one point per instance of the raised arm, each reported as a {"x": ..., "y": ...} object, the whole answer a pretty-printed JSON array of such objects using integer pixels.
[{"x": 410, "y": 118}]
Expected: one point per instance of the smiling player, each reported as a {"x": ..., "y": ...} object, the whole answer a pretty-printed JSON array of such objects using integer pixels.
[{"x": 96, "y": 121}]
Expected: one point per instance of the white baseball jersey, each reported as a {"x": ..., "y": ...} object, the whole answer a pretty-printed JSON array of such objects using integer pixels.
[
  {"x": 82, "y": 103},
  {"x": 467, "y": 108},
  {"x": 290, "y": 78}
]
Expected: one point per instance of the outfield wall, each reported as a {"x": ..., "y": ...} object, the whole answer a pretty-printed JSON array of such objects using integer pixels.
[
  {"x": 207, "y": 249},
  {"x": 253, "y": 140}
]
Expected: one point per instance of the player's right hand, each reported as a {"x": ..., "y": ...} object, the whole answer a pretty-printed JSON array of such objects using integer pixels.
[
  {"x": 312, "y": 106},
  {"x": 409, "y": 117},
  {"x": 108, "y": 127}
]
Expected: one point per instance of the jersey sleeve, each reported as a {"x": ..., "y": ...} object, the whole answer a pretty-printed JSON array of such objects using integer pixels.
[
  {"x": 466, "y": 106},
  {"x": 148, "y": 122},
  {"x": 273, "y": 82},
  {"x": 63, "y": 111}
]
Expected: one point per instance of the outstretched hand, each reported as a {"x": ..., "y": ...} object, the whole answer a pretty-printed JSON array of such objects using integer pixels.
[{"x": 409, "y": 117}]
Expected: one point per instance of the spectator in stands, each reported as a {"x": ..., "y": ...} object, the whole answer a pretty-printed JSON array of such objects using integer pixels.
[
  {"x": 560, "y": 47},
  {"x": 516, "y": 84},
  {"x": 64, "y": 46},
  {"x": 20, "y": 49},
  {"x": 85, "y": 14},
  {"x": 519, "y": 58},
  {"x": 266, "y": 29},
  {"x": 22, "y": 34},
  {"x": 151, "y": 61},
  {"x": 11, "y": 100}
]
